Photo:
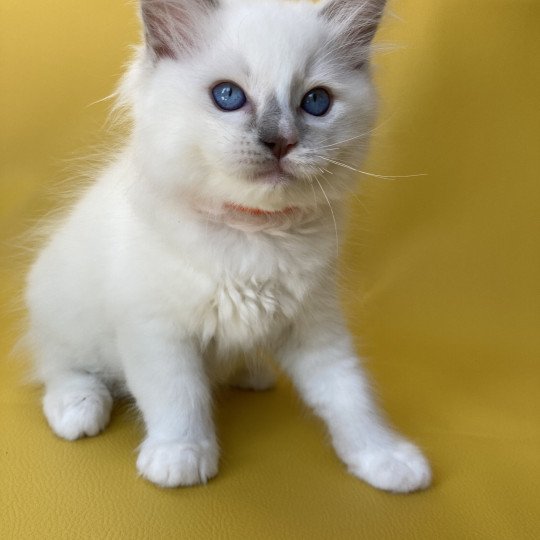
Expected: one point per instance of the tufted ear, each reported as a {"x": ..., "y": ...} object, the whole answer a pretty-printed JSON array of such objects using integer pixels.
[
  {"x": 171, "y": 26},
  {"x": 355, "y": 22}
]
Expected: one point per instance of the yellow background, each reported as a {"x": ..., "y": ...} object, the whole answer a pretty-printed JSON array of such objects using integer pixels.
[{"x": 441, "y": 281}]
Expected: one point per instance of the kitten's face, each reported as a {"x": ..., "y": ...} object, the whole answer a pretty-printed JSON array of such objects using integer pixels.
[{"x": 257, "y": 111}]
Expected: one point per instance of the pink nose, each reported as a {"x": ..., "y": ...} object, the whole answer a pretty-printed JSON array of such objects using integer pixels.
[{"x": 280, "y": 146}]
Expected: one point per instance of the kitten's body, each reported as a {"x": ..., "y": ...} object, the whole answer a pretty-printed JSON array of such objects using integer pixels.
[
  {"x": 187, "y": 252},
  {"x": 229, "y": 291}
]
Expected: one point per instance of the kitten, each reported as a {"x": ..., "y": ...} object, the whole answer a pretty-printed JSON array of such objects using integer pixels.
[{"x": 214, "y": 233}]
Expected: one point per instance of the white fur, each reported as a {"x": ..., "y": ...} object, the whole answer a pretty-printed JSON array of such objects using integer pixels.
[{"x": 153, "y": 282}]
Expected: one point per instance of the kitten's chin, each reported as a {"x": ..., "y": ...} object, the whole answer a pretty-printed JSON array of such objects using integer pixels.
[
  {"x": 273, "y": 177},
  {"x": 278, "y": 174}
]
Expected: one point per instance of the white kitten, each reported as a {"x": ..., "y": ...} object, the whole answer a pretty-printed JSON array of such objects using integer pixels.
[{"x": 214, "y": 232}]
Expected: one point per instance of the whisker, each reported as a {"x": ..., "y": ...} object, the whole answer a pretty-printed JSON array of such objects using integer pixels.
[
  {"x": 310, "y": 182},
  {"x": 344, "y": 185},
  {"x": 333, "y": 215},
  {"x": 110, "y": 96},
  {"x": 375, "y": 128},
  {"x": 344, "y": 141},
  {"x": 368, "y": 173}
]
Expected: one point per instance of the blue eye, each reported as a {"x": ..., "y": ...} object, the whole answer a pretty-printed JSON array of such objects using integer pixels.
[
  {"x": 228, "y": 96},
  {"x": 316, "y": 102}
]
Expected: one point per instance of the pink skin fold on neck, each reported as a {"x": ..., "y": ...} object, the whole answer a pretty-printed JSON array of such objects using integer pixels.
[{"x": 258, "y": 211}]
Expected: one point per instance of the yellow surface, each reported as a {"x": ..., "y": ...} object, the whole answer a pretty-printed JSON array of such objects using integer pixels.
[{"x": 449, "y": 266}]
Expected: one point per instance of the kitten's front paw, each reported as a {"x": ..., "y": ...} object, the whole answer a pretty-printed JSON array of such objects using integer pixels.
[
  {"x": 80, "y": 412},
  {"x": 400, "y": 468},
  {"x": 176, "y": 463}
]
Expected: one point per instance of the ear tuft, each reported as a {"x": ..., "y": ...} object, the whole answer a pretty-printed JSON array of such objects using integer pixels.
[
  {"x": 355, "y": 21},
  {"x": 171, "y": 27}
]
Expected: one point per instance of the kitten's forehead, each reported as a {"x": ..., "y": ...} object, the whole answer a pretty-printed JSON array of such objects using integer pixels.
[{"x": 277, "y": 46}]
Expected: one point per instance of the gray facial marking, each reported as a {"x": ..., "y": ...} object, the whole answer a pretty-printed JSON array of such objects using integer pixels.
[
  {"x": 297, "y": 86},
  {"x": 297, "y": 89},
  {"x": 269, "y": 120}
]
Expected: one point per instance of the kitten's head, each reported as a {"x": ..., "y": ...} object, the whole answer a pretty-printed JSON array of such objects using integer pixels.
[{"x": 253, "y": 102}]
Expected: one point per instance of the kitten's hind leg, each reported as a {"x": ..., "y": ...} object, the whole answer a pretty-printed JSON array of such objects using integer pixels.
[{"x": 76, "y": 404}]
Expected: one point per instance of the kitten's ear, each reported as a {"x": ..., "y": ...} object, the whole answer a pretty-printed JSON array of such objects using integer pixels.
[
  {"x": 171, "y": 26},
  {"x": 355, "y": 21}
]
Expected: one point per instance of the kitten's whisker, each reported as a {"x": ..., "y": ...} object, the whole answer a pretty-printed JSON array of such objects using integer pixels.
[
  {"x": 344, "y": 141},
  {"x": 310, "y": 182},
  {"x": 113, "y": 95},
  {"x": 333, "y": 215},
  {"x": 346, "y": 187},
  {"x": 339, "y": 163},
  {"x": 376, "y": 127}
]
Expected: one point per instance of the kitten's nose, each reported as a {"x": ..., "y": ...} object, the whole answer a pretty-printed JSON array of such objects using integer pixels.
[{"x": 280, "y": 146}]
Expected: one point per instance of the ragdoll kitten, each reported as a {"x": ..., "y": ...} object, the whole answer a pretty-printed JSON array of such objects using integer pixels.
[{"x": 213, "y": 235}]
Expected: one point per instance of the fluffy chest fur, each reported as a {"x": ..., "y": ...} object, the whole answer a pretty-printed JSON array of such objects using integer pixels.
[
  {"x": 244, "y": 312},
  {"x": 237, "y": 290}
]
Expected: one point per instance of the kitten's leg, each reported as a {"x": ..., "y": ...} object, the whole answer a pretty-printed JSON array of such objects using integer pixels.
[
  {"x": 76, "y": 404},
  {"x": 254, "y": 374},
  {"x": 320, "y": 359},
  {"x": 167, "y": 378}
]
